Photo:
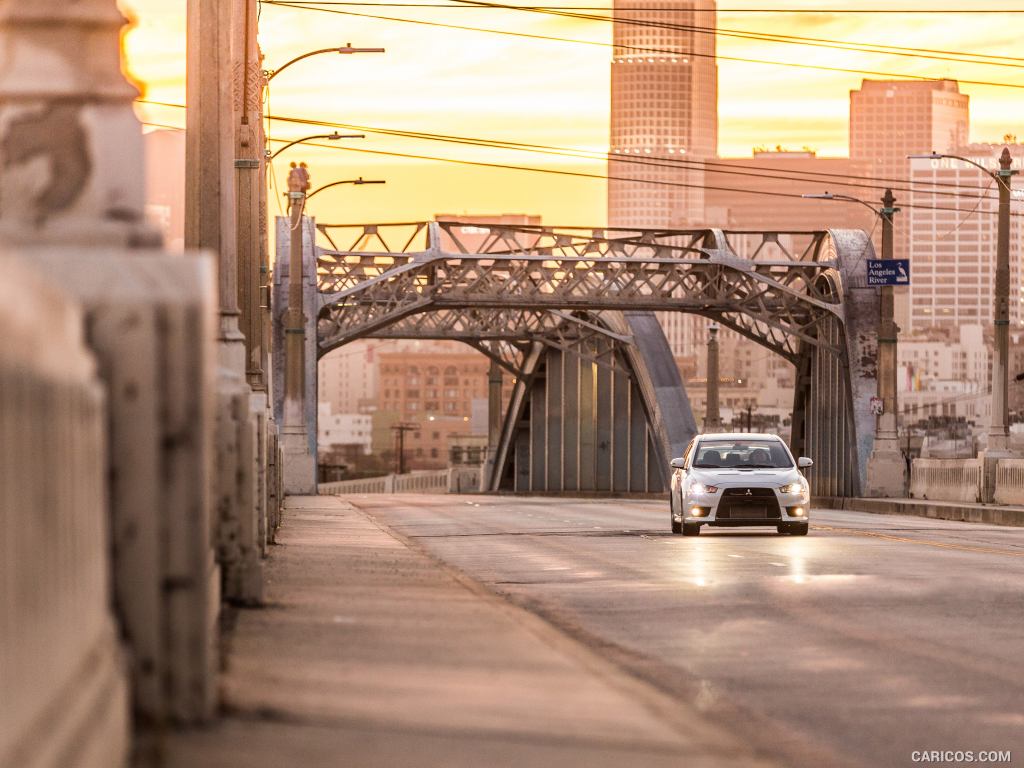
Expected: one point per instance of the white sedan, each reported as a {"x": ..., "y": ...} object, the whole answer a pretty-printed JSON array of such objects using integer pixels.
[{"x": 739, "y": 480}]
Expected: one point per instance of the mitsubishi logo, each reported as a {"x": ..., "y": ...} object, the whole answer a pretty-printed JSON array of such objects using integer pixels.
[{"x": 749, "y": 492}]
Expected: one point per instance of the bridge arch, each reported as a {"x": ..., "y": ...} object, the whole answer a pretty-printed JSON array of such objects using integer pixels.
[{"x": 532, "y": 297}]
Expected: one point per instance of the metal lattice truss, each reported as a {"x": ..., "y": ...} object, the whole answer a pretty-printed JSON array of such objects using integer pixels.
[
  {"x": 502, "y": 287},
  {"x": 505, "y": 335}
]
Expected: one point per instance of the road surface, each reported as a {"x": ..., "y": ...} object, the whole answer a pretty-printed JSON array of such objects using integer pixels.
[{"x": 869, "y": 640}]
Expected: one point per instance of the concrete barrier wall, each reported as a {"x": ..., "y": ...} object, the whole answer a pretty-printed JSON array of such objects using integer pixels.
[
  {"x": 63, "y": 684},
  {"x": 946, "y": 479},
  {"x": 1010, "y": 481}
]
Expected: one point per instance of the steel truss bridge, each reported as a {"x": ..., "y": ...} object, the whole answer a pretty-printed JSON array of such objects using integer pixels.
[{"x": 597, "y": 402}]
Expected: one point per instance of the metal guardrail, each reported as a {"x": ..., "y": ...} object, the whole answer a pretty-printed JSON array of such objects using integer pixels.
[
  {"x": 1009, "y": 481},
  {"x": 946, "y": 479}
]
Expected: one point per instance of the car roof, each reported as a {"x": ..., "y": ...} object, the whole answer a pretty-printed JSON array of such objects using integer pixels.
[{"x": 739, "y": 436}]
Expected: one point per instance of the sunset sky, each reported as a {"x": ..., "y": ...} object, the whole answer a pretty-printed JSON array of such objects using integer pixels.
[{"x": 554, "y": 93}]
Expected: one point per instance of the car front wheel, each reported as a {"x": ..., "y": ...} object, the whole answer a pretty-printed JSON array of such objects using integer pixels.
[
  {"x": 691, "y": 529},
  {"x": 798, "y": 529}
]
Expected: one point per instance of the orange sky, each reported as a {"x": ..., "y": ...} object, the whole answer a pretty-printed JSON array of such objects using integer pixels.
[{"x": 517, "y": 89}]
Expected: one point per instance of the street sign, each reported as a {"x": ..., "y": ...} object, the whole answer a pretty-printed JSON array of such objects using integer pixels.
[
  {"x": 888, "y": 271},
  {"x": 877, "y": 406}
]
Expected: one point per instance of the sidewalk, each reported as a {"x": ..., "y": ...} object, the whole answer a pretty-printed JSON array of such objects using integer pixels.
[
  {"x": 991, "y": 514},
  {"x": 369, "y": 653}
]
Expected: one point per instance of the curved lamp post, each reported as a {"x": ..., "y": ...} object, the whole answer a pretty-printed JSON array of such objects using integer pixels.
[
  {"x": 999, "y": 429},
  {"x": 270, "y": 74},
  {"x": 360, "y": 180},
  {"x": 329, "y": 136}
]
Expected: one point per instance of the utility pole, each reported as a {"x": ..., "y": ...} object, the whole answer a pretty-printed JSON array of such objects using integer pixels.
[
  {"x": 999, "y": 431},
  {"x": 887, "y": 468},
  {"x": 250, "y": 156},
  {"x": 887, "y": 473},
  {"x": 712, "y": 420}
]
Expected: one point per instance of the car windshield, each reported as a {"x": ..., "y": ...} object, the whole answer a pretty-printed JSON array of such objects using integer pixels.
[{"x": 743, "y": 454}]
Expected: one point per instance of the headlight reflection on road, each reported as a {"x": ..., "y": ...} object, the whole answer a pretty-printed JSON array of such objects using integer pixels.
[{"x": 797, "y": 569}]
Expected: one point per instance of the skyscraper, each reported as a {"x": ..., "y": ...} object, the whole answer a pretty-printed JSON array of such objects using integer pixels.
[
  {"x": 664, "y": 112},
  {"x": 954, "y": 252},
  {"x": 664, "y": 120},
  {"x": 890, "y": 119}
]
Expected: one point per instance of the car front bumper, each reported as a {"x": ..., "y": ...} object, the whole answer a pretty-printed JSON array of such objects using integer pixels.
[{"x": 703, "y": 509}]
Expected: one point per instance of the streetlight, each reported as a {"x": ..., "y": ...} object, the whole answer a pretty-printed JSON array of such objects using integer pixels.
[
  {"x": 329, "y": 136},
  {"x": 887, "y": 471},
  {"x": 999, "y": 429},
  {"x": 360, "y": 180},
  {"x": 270, "y": 74}
]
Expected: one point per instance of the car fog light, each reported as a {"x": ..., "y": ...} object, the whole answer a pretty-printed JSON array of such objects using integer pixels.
[
  {"x": 796, "y": 511},
  {"x": 698, "y": 511}
]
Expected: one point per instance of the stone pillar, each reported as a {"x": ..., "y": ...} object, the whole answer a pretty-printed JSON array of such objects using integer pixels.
[
  {"x": 298, "y": 428},
  {"x": 70, "y": 146},
  {"x": 712, "y": 419}
]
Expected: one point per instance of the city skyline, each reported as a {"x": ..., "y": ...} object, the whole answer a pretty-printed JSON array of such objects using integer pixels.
[{"x": 544, "y": 92}]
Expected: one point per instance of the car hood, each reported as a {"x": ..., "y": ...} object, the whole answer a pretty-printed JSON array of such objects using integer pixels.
[{"x": 733, "y": 477}]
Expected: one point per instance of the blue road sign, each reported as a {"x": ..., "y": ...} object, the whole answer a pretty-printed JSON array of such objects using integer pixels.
[{"x": 888, "y": 271}]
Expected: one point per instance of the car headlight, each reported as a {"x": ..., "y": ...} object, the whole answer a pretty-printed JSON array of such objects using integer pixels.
[
  {"x": 797, "y": 487},
  {"x": 702, "y": 488}
]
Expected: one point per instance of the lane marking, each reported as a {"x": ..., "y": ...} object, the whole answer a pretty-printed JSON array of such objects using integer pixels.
[
  {"x": 906, "y": 540},
  {"x": 739, "y": 556}
]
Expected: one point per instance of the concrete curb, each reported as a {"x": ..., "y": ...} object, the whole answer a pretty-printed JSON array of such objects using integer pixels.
[{"x": 937, "y": 510}]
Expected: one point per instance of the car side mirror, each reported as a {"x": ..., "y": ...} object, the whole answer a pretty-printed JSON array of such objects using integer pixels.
[
  {"x": 678, "y": 463},
  {"x": 804, "y": 463}
]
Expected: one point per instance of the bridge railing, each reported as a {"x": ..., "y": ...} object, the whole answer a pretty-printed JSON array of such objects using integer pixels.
[
  {"x": 63, "y": 685},
  {"x": 1009, "y": 481},
  {"x": 454, "y": 480},
  {"x": 946, "y": 479}
]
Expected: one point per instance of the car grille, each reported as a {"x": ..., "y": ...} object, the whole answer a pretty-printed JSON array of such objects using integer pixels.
[{"x": 760, "y": 504}]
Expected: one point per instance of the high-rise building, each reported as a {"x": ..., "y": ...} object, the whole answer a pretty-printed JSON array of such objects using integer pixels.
[
  {"x": 664, "y": 112},
  {"x": 664, "y": 122},
  {"x": 953, "y": 252},
  {"x": 890, "y": 119}
]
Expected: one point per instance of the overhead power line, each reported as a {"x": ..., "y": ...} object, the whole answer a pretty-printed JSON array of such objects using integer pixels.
[
  {"x": 809, "y": 177},
  {"x": 599, "y": 176},
  {"x": 585, "y": 175},
  {"x": 773, "y": 37},
  {"x": 906, "y": 11},
  {"x": 642, "y": 49}
]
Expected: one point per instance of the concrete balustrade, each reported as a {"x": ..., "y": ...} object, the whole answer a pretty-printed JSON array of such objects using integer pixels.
[
  {"x": 946, "y": 479},
  {"x": 1009, "y": 481},
  {"x": 150, "y": 323},
  {"x": 438, "y": 481},
  {"x": 63, "y": 681}
]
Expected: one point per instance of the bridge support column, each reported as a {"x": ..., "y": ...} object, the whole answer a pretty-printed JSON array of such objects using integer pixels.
[
  {"x": 299, "y": 424},
  {"x": 494, "y": 382}
]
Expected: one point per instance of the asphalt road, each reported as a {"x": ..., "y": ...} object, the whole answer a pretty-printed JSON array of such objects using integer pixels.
[{"x": 870, "y": 639}]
